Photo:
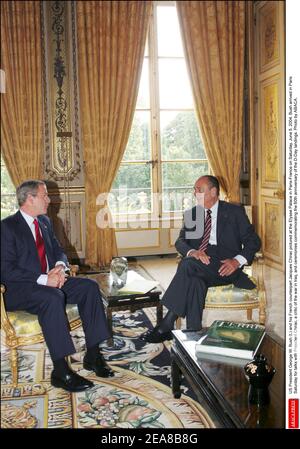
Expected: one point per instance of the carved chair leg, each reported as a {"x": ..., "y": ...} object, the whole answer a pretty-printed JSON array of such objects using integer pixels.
[
  {"x": 14, "y": 366},
  {"x": 178, "y": 323},
  {"x": 249, "y": 314},
  {"x": 262, "y": 315},
  {"x": 68, "y": 360},
  {"x": 262, "y": 307}
]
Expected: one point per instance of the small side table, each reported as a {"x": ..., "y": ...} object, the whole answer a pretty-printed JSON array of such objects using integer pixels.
[
  {"x": 220, "y": 382},
  {"x": 114, "y": 300}
]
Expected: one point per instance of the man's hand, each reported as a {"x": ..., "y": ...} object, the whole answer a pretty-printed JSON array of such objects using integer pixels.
[
  {"x": 56, "y": 277},
  {"x": 200, "y": 255},
  {"x": 228, "y": 267}
]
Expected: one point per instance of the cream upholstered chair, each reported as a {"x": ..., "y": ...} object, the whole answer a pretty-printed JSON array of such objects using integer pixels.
[
  {"x": 229, "y": 297},
  {"x": 21, "y": 328}
]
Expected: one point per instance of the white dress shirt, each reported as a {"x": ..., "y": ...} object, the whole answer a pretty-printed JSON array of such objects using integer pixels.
[
  {"x": 213, "y": 233},
  {"x": 43, "y": 278}
]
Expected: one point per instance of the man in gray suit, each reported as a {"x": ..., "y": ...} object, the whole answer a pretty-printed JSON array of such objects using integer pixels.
[{"x": 214, "y": 255}]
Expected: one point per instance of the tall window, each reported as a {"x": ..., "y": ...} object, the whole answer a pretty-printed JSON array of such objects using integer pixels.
[
  {"x": 8, "y": 193},
  {"x": 182, "y": 155},
  {"x": 165, "y": 153}
]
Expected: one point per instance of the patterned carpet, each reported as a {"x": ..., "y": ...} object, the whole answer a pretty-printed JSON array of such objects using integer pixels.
[{"x": 139, "y": 396}]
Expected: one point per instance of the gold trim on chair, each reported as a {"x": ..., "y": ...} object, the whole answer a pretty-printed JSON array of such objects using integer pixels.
[
  {"x": 18, "y": 333},
  {"x": 249, "y": 299}
]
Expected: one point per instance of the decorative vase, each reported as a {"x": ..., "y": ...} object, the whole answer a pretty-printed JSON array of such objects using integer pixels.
[
  {"x": 259, "y": 374},
  {"x": 118, "y": 271}
]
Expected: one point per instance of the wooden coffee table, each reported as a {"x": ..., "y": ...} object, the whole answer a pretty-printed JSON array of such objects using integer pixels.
[
  {"x": 114, "y": 300},
  {"x": 222, "y": 387}
]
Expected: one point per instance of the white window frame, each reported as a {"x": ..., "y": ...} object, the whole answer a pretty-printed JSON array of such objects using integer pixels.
[{"x": 156, "y": 161}]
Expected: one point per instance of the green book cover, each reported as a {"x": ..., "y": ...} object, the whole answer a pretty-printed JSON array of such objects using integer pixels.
[{"x": 231, "y": 338}]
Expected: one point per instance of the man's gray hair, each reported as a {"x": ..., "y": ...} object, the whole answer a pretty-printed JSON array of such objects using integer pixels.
[{"x": 28, "y": 188}]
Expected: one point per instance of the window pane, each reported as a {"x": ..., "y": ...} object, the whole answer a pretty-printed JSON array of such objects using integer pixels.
[
  {"x": 8, "y": 193},
  {"x": 174, "y": 85},
  {"x": 168, "y": 31},
  {"x": 139, "y": 145},
  {"x": 143, "y": 100},
  {"x": 178, "y": 179},
  {"x": 131, "y": 190},
  {"x": 180, "y": 137}
]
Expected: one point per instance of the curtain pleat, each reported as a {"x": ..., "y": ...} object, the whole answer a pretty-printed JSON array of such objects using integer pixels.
[
  {"x": 22, "y": 104},
  {"x": 213, "y": 35},
  {"x": 111, "y": 43}
]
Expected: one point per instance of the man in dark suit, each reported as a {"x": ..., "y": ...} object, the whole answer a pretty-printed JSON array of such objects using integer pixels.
[
  {"x": 216, "y": 241},
  {"x": 33, "y": 269}
]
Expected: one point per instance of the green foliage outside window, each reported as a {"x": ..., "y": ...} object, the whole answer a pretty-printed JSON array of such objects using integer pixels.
[
  {"x": 181, "y": 139},
  {"x": 8, "y": 193},
  {"x": 181, "y": 144}
]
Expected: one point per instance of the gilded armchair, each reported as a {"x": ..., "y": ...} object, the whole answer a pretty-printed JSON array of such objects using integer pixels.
[
  {"x": 21, "y": 328},
  {"x": 229, "y": 297}
]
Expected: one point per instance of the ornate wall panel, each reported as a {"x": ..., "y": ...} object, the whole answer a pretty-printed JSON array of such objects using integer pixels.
[
  {"x": 269, "y": 86},
  {"x": 63, "y": 161},
  {"x": 268, "y": 35},
  {"x": 73, "y": 241},
  {"x": 271, "y": 133},
  {"x": 137, "y": 239},
  {"x": 272, "y": 212},
  {"x": 63, "y": 153}
]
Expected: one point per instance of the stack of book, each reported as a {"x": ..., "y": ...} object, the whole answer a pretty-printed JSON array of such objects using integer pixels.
[{"x": 231, "y": 339}]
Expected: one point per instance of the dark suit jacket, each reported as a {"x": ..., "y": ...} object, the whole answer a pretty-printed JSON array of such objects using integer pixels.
[
  {"x": 20, "y": 264},
  {"x": 235, "y": 235}
]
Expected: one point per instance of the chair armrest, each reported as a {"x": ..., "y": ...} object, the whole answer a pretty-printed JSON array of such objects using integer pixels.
[
  {"x": 74, "y": 270},
  {"x": 5, "y": 323},
  {"x": 179, "y": 258},
  {"x": 3, "y": 311},
  {"x": 258, "y": 269}
]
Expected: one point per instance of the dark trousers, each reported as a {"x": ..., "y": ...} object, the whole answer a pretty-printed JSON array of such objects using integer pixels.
[
  {"x": 187, "y": 291},
  {"x": 49, "y": 304}
]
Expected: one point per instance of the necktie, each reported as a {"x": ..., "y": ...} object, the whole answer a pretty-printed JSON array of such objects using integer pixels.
[
  {"x": 207, "y": 230},
  {"x": 40, "y": 246}
]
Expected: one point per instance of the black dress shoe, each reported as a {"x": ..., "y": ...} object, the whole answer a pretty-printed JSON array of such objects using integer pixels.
[
  {"x": 157, "y": 335},
  {"x": 99, "y": 366},
  {"x": 70, "y": 382}
]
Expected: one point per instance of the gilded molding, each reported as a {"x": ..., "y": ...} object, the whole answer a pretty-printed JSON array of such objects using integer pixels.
[
  {"x": 269, "y": 47},
  {"x": 69, "y": 234},
  {"x": 62, "y": 137},
  {"x": 270, "y": 134},
  {"x": 272, "y": 229}
]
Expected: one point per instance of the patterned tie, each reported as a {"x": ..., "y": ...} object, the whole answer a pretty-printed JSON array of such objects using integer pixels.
[
  {"x": 207, "y": 229},
  {"x": 40, "y": 246}
]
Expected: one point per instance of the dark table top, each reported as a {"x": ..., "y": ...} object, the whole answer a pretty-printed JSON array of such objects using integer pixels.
[{"x": 226, "y": 382}]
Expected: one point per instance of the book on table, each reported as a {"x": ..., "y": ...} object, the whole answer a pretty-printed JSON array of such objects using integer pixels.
[
  {"x": 138, "y": 285},
  {"x": 231, "y": 339}
]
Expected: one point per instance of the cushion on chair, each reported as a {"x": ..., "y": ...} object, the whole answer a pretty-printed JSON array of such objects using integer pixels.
[
  {"x": 229, "y": 294},
  {"x": 26, "y": 324}
]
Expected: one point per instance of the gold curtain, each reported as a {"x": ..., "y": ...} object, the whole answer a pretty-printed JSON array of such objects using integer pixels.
[
  {"x": 111, "y": 43},
  {"x": 213, "y": 35},
  {"x": 22, "y": 104}
]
